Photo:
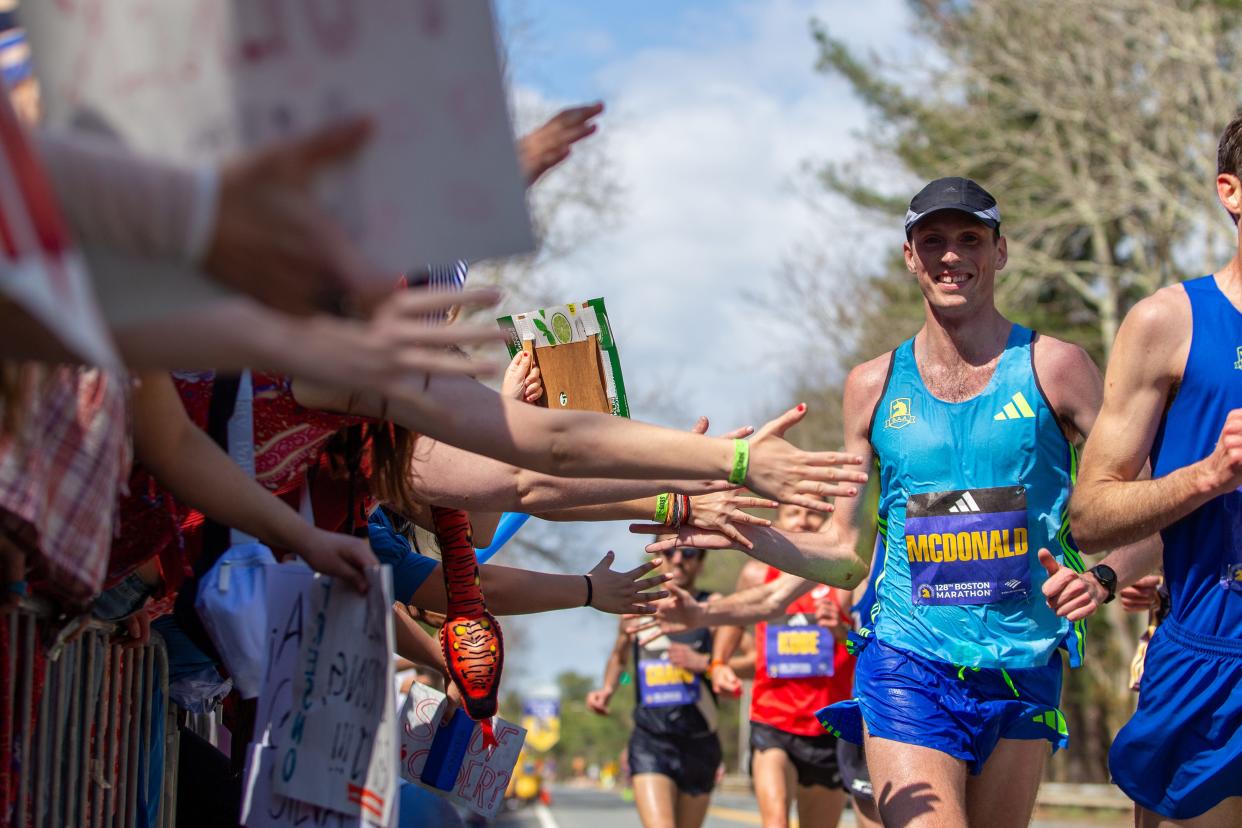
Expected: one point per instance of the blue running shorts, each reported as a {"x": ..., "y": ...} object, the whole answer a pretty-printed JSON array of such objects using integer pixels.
[
  {"x": 1181, "y": 753},
  {"x": 961, "y": 711}
]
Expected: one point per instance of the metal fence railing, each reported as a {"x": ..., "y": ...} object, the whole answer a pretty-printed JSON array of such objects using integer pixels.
[{"x": 87, "y": 735}]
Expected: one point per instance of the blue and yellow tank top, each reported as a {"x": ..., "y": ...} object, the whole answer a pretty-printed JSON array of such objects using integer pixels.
[
  {"x": 1203, "y": 551},
  {"x": 969, "y": 493}
]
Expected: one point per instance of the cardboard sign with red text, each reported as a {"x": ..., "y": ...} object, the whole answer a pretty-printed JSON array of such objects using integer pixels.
[{"x": 483, "y": 778}]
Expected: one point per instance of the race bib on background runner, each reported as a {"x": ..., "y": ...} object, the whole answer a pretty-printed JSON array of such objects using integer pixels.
[
  {"x": 968, "y": 547},
  {"x": 799, "y": 649},
  {"x": 662, "y": 684}
]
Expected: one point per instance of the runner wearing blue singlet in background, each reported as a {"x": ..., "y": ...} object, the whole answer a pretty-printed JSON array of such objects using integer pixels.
[
  {"x": 1174, "y": 395},
  {"x": 972, "y": 425}
]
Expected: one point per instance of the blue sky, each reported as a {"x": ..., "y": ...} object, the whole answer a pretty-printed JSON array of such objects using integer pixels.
[{"x": 714, "y": 109}]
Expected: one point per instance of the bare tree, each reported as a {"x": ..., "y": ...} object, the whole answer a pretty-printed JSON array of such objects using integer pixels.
[{"x": 1094, "y": 121}]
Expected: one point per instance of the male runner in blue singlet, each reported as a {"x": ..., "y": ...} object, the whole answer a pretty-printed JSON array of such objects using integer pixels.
[
  {"x": 972, "y": 425},
  {"x": 1174, "y": 395}
]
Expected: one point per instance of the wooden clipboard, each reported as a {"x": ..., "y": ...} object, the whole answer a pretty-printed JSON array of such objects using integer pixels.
[{"x": 573, "y": 375}]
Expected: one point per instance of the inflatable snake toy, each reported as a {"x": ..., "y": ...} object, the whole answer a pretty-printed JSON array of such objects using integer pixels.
[{"x": 474, "y": 649}]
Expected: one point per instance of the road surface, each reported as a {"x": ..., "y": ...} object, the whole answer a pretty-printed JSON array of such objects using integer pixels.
[{"x": 584, "y": 808}]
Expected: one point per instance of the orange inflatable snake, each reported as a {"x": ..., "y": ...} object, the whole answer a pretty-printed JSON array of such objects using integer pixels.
[{"x": 474, "y": 649}]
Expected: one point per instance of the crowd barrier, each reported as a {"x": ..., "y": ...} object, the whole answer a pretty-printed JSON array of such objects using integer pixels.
[{"x": 87, "y": 733}]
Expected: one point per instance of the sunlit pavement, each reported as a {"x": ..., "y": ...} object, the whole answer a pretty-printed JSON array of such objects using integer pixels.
[{"x": 585, "y": 808}]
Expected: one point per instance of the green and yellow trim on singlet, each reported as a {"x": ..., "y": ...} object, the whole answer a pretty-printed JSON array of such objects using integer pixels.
[{"x": 1073, "y": 559}]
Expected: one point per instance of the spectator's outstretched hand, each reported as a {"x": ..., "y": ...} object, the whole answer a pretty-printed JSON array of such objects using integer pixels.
[
  {"x": 395, "y": 350},
  {"x": 272, "y": 241},
  {"x": 679, "y": 612},
  {"x": 550, "y": 144},
  {"x": 782, "y": 472},
  {"x": 625, "y": 592}
]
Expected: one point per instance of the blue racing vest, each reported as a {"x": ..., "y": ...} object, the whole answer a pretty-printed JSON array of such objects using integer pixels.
[
  {"x": 1203, "y": 551},
  {"x": 969, "y": 493}
]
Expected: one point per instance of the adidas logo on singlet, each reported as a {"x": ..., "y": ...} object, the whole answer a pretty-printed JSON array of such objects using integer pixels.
[
  {"x": 1016, "y": 409},
  {"x": 965, "y": 503}
]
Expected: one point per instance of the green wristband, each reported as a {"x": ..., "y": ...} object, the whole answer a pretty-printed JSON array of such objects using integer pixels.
[
  {"x": 661, "y": 512},
  {"x": 741, "y": 462}
]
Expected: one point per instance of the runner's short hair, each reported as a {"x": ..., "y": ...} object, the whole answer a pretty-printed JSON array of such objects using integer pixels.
[{"x": 1229, "y": 151}]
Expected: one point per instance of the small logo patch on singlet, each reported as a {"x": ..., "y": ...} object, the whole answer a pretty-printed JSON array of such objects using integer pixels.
[
  {"x": 968, "y": 546},
  {"x": 1238, "y": 364},
  {"x": 899, "y": 415},
  {"x": 1016, "y": 409}
]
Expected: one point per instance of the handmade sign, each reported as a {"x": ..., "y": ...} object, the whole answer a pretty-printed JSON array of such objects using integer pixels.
[
  {"x": 337, "y": 744},
  {"x": 482, "y": 775},
  {"x": 574, "y": 349},
  {"x": 196, "y": 80},
  {"x": 264, "y": 808},
  {"x": 474, "y": 648},
  {"x": 288, "y": 588}
]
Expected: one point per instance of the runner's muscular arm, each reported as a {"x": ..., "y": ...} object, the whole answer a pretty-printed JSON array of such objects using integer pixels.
[
  {"x": 1075, "y": 391},
  {"x": 1111, "y": 504},
  {"x": 727, "y": 638},
  {"x": 743, "y": 663}
]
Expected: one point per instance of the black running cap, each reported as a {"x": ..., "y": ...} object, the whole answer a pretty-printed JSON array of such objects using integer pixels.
[{"x": 956, "y": 193}]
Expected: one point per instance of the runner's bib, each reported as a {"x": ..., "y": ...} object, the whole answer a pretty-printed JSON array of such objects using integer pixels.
[
  {"x": 662, "y": 684},
  {"x": 968, "y": 546},
  {"x": 799, "y": 649}
]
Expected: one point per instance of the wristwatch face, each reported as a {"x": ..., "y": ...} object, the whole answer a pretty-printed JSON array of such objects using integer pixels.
[{"x": 1107, "y": 578}]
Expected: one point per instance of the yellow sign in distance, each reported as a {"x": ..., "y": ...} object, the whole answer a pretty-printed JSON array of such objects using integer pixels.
[{"x": 542, "y": 733}]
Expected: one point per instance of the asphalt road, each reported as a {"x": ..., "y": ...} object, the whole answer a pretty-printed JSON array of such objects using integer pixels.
[{"x": 582, "y": 808}]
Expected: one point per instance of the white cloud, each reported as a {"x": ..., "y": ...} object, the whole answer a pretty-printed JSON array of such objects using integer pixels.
[{"x": 708, "y": 136}]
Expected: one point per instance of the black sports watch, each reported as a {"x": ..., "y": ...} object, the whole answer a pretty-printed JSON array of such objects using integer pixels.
[{"x": 1107, "y": 578}]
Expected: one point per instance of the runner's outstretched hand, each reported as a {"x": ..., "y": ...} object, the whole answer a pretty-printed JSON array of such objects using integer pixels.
[
  {"x": 1071, "y": 595},
  {"x": 679, "y": 612},
  {"x": 625, "y": 592},
  {"x": 800, "y": 478}
]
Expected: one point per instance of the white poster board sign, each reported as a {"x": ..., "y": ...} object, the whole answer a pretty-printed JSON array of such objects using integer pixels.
[
  {"x": 325, "y": 719},
  {"x": 200, "y": 80},
  {"x": 483, "y": 778},
  {"x": 264, "y": 808}
]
